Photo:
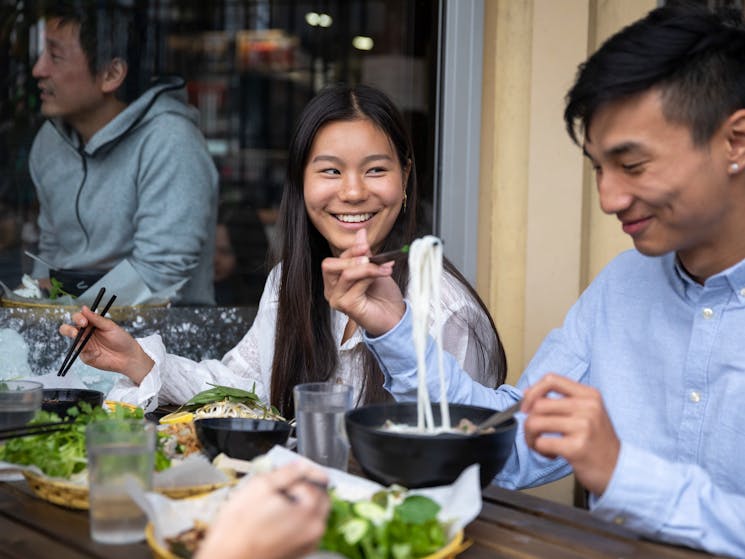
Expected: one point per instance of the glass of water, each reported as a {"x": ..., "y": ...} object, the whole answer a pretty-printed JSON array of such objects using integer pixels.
[
  {"x": 319, "y": 417},
  {"x": 120, "y": 454},
  {"x": 19, "y": 402}
]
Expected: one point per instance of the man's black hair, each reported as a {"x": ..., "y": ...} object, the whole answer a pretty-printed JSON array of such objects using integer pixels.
[
  {"x": 109, "y": 29},
  {"x": 695, "y": 57}
]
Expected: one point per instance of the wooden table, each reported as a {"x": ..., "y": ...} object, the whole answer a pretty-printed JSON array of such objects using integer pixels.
[
  {"x": 516, "y": 525},
  {"x": 511, "y": 525}
]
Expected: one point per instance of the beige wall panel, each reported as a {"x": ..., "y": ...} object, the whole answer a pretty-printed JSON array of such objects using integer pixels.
[
  {"x": 504, "y": 169},
  {"x": 555, "y": 180}
]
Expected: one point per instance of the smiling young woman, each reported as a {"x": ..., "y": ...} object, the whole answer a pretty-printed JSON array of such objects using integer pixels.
[{"x": 350, "y": 168}]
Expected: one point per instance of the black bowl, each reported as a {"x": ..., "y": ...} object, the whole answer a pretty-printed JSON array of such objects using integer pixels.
[
  {"x": 76, "y": 282},
  {"x": 61, "y": 400},
  {"x": 240, "y": 437},
  {"x": 415, "y": 460}
]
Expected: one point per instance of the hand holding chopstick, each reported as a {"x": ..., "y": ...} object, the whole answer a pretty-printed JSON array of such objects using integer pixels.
[{"x": 76, "y": 347}]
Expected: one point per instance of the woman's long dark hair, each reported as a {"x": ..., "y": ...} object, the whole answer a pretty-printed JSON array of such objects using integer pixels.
[{"x": 304, "y": 348}]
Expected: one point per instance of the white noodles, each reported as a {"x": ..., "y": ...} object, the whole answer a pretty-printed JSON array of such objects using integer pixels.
[{"x": 425, "y": 275}]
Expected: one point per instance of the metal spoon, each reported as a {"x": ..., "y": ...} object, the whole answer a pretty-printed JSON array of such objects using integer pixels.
[
  {"x": 39, "y": 259},
  {"x": 498, "y": 418}
]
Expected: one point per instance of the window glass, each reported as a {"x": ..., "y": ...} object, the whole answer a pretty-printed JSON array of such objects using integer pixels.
[{"x": 250, "y": 67}]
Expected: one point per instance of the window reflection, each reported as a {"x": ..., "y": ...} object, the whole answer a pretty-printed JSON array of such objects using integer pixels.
[{"x": 250, "y": 68}]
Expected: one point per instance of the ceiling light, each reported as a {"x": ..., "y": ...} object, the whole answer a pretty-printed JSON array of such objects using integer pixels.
[{"x": 361, "y": 42}]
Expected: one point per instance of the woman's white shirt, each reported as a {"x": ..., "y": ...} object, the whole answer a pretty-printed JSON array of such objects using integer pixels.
[{"x": 175, "y": 379}]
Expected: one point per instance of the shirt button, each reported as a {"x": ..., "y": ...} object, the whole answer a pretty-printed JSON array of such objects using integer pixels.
[
  {"x": 707, "y": 313},
  {"x": 742, "y": 292},
  {"x": 694, "y": 397},
  {"x": 619, "y": 520}
]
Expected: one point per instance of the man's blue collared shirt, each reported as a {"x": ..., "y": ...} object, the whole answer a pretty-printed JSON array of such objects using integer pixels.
[{"x": 668, "y": 356}]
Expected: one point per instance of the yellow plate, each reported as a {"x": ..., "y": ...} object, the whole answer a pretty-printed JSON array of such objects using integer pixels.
[
  {"x": 73, "y": 496},
  {"x": 117, "y": 313},
  {"x": 456, "y": 546}
]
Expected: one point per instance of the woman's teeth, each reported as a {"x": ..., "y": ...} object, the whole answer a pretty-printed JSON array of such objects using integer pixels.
[{"x": 353, "y": 218}]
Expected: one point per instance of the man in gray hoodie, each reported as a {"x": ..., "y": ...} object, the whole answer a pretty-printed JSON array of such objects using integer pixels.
[{"x": 119, "y": 174}]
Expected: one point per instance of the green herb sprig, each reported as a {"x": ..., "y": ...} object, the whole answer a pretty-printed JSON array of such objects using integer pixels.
[{"x": 57, "y": 291}]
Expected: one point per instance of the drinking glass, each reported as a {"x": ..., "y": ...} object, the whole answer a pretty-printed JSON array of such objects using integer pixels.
[
  {"x": 120, "y": 453},
  {"x": 19, "y": 402},
  {"x": 319, "y": 416}
]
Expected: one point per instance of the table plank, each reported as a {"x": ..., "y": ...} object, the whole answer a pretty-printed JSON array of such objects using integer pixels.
[
  {"x": 553, "y": 510},
  {"x": 67, "y": 528},
  {"x": 572, "y": 529},
  {"x": 18, "y": 541}
]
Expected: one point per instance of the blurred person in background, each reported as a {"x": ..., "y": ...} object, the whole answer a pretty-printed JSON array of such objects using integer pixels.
[
  {"x": 120, "y": 167},
  {"x": 241, "y": 249}
]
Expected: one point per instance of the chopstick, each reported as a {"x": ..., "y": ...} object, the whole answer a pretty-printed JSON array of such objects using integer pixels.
[
  {"x": 285, "y": 491},
  {"x": 384, "y": 257},
  {"x": 30, "y": 430},
  {"x": 80, "y": 333},
  {"x": 66, "y": 367}
]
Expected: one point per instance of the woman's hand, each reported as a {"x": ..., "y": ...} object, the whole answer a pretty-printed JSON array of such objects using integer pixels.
[
  {"x": 574, "y": 426},
  {"x": 278, "y": 515},
  {"x": 110, "y": 347},
  {"x": 365, "y": 292}
]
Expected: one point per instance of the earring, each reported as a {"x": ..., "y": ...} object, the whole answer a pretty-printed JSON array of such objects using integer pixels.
[
  {"x": 734, "y": 168},
  {"x": 406, "y": 197}
]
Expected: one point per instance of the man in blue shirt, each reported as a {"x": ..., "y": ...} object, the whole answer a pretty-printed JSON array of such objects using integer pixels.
[{"x": 640, "y": 392}]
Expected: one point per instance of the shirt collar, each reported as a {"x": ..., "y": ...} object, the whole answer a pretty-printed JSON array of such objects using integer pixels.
[{"x": 732, "y": 278}]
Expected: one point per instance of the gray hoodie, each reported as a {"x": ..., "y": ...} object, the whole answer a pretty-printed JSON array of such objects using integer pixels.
[{"x": 143, "y": 188}]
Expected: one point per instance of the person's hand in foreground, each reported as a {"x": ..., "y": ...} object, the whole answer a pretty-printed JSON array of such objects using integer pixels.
[
  {"x": 110, "y": 348},
  {"x": 364, "y": 291},
  {"x": 574, "y": 426},
  {"x": 278, "y": 515}
]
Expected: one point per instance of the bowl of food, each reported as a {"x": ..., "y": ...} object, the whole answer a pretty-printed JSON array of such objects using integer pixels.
[
  {"x": 240, "y": 437},
  {"x": 389, "y": 449},
  {"x": 19, "y": 402},
  {"x": 59, "y": 400},
  {"x": 75, "y": 281}
]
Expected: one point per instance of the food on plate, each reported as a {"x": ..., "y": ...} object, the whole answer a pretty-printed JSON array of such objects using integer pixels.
[
  {"x": 62, "y": 453},
  {"x": 29, "y": 288},
  {"x": 390, "y": 525},
  {"x": 224, "y": 401},
  {"x": 177, "y": 430},
  {"x": 187, "y": 542},
  {"x": 178, "y": 440}
]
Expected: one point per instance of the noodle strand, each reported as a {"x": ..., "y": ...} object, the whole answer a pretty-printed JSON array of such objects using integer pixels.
[{"x": 425, "y": 270}]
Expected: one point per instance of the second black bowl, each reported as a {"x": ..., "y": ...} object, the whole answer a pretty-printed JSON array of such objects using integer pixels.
[
  {"x": 420, "y": 460},
  {"x": 240, "y": 437},
  {"x": 62, "y": 399},
  {"x": 76, "y": 282}
]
